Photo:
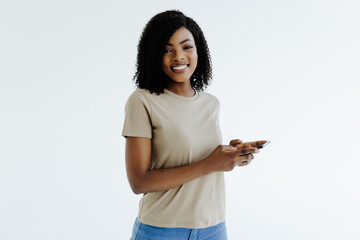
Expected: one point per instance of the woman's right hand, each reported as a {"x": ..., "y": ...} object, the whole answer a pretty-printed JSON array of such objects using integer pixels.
[{"x": 227, "y": 157}]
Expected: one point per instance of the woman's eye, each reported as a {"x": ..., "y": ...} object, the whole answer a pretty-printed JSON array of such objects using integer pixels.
[
  {"x": 167, "y": 51},
  {"x": 188, "y": 47}
]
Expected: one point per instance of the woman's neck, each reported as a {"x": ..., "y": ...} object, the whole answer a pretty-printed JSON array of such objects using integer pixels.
[{"x": 183, "y": 89}]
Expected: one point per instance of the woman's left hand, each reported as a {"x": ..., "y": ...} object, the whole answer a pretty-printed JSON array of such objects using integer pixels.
[{"x": 238, "y": 144}]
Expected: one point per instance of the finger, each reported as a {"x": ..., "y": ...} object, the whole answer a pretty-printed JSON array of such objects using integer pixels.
[
  {"x": 246, "y": 151},
  {"x": 228, "y": 148},
  {"x": 249, "y": 157},
  {"x": 247, "y": 161},
  {"x": 243, "y": 145},
  {"x": 244, "y": 163},
  {"x": 234, "y": 142},
  {"x": 257, "y": 143},
  {"x": 244, "y": 158},
  {"x": 251, "y": 144}
]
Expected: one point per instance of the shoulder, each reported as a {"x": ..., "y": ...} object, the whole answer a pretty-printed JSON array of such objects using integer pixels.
[
  {"x": 139, "y": 95},
  {"x": 137, "y": 99},
  {"x": 141, "y": 98},
  {"x": 210, "y": 97}
]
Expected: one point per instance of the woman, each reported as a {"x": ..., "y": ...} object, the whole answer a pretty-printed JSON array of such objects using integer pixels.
[{"x": 174, "y": 154}]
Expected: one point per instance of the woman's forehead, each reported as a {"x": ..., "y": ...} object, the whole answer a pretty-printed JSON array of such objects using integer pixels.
[{"x": 181, "y": 36}]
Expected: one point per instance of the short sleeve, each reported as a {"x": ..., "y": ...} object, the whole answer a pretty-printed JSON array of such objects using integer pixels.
[{"x": 137, "y": 122}]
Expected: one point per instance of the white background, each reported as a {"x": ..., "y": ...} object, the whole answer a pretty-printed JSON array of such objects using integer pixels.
[{"x": 287, "y": 71}]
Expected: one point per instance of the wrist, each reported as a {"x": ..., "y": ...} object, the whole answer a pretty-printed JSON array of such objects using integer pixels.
[{"x": 205, "y": 166}]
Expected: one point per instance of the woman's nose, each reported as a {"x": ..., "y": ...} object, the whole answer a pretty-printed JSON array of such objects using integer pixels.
[{"x": 179, "y": 56}]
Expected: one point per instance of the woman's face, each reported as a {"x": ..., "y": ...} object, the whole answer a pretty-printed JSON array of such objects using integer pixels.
[{"x": 180, "y": 57}]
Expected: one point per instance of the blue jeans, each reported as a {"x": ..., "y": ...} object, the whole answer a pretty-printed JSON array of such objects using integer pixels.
[{"x": 146, "y": 232}]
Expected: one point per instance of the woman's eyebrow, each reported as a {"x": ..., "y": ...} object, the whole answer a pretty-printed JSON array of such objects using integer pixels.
[{"x": 183, "y": 41}]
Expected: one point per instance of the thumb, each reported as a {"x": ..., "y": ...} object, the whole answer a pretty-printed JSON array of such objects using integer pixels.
[{"x": 235, "y": 142}]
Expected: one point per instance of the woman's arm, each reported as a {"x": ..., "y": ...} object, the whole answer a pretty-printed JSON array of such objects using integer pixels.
[{"x": 143, "y": 180}]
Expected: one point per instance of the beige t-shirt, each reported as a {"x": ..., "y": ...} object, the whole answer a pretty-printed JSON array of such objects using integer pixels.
[{"x": 183, "y": 130}]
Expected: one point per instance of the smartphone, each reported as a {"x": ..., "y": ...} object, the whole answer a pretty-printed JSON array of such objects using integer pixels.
[
  {"x": 262, "y": 146},
  {"x": 259, "y": 147}
]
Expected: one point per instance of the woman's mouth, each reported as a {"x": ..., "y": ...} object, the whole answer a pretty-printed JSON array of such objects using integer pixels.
[{"x": 179, "y": 68}]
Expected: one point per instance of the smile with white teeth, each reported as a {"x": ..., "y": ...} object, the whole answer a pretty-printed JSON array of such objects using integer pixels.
[{"x": 180, "y": 67}]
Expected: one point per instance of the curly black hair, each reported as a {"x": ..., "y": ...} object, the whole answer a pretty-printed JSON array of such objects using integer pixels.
[{"x": 157, "y": 32}]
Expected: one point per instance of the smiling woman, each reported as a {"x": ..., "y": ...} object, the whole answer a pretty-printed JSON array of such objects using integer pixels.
[
  {"x": 174, "y": 154},
  {"x": 158, "y": 47},
  {"x": 180, "y": 60}
]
